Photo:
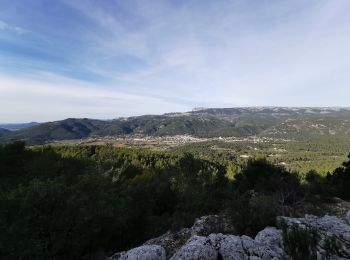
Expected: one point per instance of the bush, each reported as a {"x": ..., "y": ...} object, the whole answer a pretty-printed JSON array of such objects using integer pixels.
[
  {"x": 87, "y": 202},
  {"x": 268, "y": 179},
  {"x": 335, "y": 184},
  {"x": 318, "y": 185},
  {"x": 339, "y": 181},
  {"x": 249, "y": 214},
  {"x": 300, "y": 242}
]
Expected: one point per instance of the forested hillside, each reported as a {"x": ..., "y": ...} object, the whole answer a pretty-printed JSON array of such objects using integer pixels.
[
  {"x": 3, "y": 131},
  {"x": 299, "y": 123},
  {"x": 85, "y": 202}
]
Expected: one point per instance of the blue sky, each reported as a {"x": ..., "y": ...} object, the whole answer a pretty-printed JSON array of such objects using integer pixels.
[{"x": 106, "y": 59}]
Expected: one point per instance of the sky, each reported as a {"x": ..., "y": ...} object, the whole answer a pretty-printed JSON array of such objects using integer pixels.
[{"x": 117, "y": 58}]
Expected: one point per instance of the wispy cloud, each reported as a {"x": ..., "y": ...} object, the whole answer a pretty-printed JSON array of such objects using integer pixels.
[
  {"x": 7, "y": 27},
  {"x": 181, "y": 54},
  {"x": 55, "y": 98}
]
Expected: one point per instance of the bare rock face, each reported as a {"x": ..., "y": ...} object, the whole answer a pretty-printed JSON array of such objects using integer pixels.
[
  {"x": 329, "y": 239},
  {"x": 244, "y": 247},
  {"x": 152, "y": 252},
  {"x": 203, "y": 226},
  {"x": 197, "y": 247},
  {"x": 230, "y": 247},
  {"x": 219, "y": 246},
  {"x": 272, "y": 237}
]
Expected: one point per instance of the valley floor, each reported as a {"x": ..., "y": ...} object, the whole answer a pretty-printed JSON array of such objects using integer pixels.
[{"x": 321, "y": 155}]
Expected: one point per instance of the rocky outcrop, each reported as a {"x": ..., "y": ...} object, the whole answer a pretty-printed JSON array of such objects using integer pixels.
[
  {"x": 244, "y": 247},
  {"x": 328, "y": 236},
  {"x": 196, "y": 247},
  {"x": 152, "y": 252},
  {"x": 310, "y": 237},
  {"x": 204, "y": 226}
]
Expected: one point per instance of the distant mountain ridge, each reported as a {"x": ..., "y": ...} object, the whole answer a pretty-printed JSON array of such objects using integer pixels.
[
  {"x": 284, "y": 122},
  {"x": 18, "y": 126},
  {"x": 3, "y": 131}
]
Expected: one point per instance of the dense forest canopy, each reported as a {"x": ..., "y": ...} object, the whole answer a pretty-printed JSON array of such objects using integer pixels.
[{"x": 85, "y": 202}]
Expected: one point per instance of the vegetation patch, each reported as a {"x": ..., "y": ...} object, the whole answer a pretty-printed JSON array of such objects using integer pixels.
[{"x": 300, "y": 242}]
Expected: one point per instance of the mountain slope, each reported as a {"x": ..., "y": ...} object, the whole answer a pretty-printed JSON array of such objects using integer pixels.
[
  {"x": 269, "y": 121},
  {"x": 3, "y": 131},
  {"x": 13, "y": 127},
  {"x": 66, "y": 129}
]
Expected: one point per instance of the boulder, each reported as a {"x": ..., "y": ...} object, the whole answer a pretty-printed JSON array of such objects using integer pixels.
[
  {"x": 231, "y": 247},
  {"x": 272, "y": 237},
  {"x": 196, "y": 248},
  {"x": 244, "y": 247}
]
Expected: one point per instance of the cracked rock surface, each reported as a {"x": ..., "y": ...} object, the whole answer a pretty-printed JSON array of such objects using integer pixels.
[
  {"x": 199, "y": 243},
  {"x": 151, "y": 252},
  {"x": 333, "y": 234}
]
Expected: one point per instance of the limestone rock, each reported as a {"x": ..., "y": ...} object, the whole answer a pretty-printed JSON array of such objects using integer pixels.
[
  {"x": 230, "y": 247},
  {"x": 273, "y": 237},
  {"x": 171, "y": 242},
  {"x": 196, "y": 248},
  {"x": 331, "y": 242},
  {"x": 207, "y": 225},
  {"x": 147, "y": 252},
  {"x": 333, "y": 234},
  {"x": 204, "y": 226},
  {"x": 219, "y": 246}
]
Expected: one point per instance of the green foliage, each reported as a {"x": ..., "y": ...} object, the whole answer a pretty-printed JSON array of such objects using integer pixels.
[
  {"x": 300, "y": 242},
  {"x": 274, "y": 122},
  {"x": 321, "y": 154},
  {"x": 264, "y": 192},
  {"x": 265, "y": 177},
  {"x": 317, "y": 184},
  {"x": 335, "y": 184},
  {"x": 250, "y": 214},
  {"x": 86, "y": 202},
  {"x": 339, "y": 180}
]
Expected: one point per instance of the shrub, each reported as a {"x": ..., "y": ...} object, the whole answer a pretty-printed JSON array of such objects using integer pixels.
[
  {"x": 249, "y": 215},
  {"x": 268, "y": 179},
  {"x": 300, "y": 242}
]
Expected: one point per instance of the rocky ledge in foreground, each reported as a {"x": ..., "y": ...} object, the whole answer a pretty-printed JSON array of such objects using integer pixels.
[{"x": 310, "y": 237}]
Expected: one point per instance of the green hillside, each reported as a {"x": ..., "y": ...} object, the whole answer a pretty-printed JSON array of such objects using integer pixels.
[
  {"x": 66, "y": 129},
  {"x": 299, "y": 123}
]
